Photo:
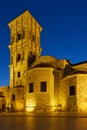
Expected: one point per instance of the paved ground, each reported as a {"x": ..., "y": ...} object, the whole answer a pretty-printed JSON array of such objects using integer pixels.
[
  {"x": 43, "y": 121},
  {"x": 46, "y": 114}
]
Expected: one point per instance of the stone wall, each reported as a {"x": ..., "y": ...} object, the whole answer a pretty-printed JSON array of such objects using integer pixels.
[
  {"x": 18, "y": 103},
  {"x": 68, "y": 103},
  {"x": 37, "y": 99},
  {"x": 4, "y": 97},
  {"x": 57, "y": 79},
  {"x": 82, "y": 92}
]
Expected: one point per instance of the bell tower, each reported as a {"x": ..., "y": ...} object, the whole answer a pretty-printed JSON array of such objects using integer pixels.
[{"x": 24, "y": 46}]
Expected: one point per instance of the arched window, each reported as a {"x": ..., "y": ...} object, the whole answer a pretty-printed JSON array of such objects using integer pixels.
[
  {"x": 18, "y": 57},
  {"x": 71, "y": 90}
]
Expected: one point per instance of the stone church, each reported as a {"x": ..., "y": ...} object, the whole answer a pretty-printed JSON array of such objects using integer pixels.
[{"x": 40, "y": 83}]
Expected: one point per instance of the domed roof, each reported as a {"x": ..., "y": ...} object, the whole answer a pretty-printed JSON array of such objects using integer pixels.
[{"x": 45, "y": 61}]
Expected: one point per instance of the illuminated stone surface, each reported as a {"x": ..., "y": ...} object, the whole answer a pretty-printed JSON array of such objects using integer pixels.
[{"x": 40, "y": 83}]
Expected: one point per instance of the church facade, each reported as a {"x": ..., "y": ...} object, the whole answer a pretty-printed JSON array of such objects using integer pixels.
[{"x": 40, "y": 83}]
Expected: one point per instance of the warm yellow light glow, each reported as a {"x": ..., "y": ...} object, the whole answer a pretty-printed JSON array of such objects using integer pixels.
[
  {"x": 82, "y": 106},
  {"x": 53, "y": 104},
  {"x": 58, "y": 106},
  {"x": 20, "y": 105},
  {"x": 30, "y": 107}
]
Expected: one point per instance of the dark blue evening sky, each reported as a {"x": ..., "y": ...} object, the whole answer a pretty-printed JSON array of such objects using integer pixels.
[{"x": 64, "y": 24}]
